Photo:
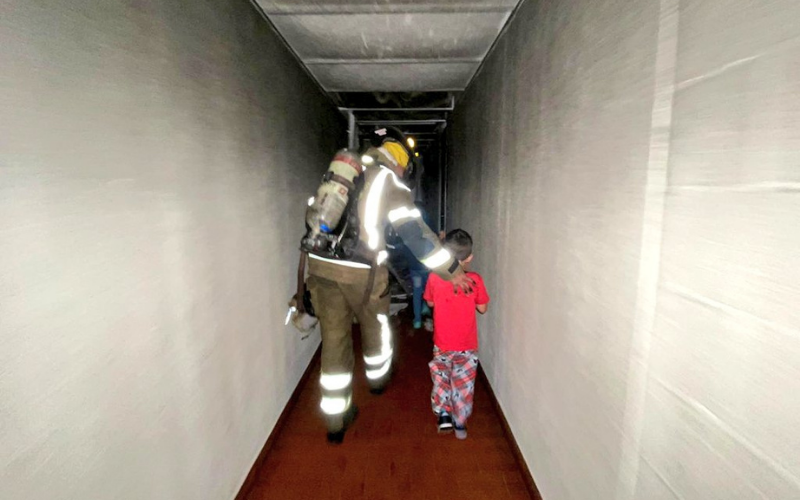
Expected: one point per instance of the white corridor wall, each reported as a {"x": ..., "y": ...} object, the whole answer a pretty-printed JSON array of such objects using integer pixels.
[
  {"x": 631, "y": 174},
  {"x": 155, "y": 159}
]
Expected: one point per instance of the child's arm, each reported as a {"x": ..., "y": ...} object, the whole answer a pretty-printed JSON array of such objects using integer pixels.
[
  {"x": 430, "y": 303},
  {"x": 481, "y": 297}
]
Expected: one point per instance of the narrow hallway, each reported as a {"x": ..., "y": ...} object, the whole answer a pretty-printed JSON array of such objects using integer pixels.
[
  {"x": 392, "y": 451},
  {"x": 629, "y": 173}
]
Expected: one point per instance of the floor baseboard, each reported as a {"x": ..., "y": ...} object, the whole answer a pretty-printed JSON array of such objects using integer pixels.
[
  {"x": 251, "y": 476},
  {"x": 523, "y": 467}
]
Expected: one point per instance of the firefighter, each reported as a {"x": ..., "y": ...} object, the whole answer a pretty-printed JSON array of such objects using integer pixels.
[{"x": 357, "y": 283}]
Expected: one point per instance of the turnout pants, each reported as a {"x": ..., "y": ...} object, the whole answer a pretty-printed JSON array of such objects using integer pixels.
[
  {"x": 453, "y": 374},
  {"x": 337, "y": 293}
]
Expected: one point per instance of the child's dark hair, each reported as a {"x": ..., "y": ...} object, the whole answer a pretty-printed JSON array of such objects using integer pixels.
[{"x": 459, "y": 242}]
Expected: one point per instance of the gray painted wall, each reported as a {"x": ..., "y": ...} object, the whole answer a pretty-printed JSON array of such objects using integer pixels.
[
  {"x": 629, "y": 171},
  {"x": 150, "y": 159}
]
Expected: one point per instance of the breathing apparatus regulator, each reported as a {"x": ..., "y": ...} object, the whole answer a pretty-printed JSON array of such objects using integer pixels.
[{"x": 331, "y": 221}]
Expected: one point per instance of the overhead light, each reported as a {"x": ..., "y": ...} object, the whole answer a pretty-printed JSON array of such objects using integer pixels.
[
  {"x": 411, "y": 142},
  {"x": 416, "y": 154}
]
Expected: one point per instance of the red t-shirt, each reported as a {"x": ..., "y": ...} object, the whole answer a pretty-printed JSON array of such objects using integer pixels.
[{"x": 454, "y": 325}]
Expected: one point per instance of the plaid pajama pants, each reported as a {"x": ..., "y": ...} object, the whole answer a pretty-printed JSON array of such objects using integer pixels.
[{"x": 453, "y": 374}]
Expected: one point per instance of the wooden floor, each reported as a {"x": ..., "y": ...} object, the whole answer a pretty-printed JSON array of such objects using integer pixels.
[{"x": 392, "y": 451}]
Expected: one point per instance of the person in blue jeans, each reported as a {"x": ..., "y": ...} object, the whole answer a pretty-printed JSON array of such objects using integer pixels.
[{"x": 419, "y": 278}]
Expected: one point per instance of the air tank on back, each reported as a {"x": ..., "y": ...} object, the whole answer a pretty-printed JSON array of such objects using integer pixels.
[{"x": 325, "y": 210}]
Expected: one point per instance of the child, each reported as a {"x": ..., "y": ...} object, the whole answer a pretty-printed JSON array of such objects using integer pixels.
[{"x": 455, "y": 338}]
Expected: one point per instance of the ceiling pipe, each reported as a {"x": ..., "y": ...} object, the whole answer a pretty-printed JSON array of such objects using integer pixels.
[
  {"x": 404, "y": 110},
  {"x": 352, "y": 133},
  {"x": 402, "y": 122}
]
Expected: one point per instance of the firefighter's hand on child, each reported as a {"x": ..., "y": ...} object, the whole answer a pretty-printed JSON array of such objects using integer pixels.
[{"x": 462, "y": 282}]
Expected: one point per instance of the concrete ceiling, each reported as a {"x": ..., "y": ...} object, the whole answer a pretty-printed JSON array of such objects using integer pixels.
[{"x": 390, "y": 45}]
